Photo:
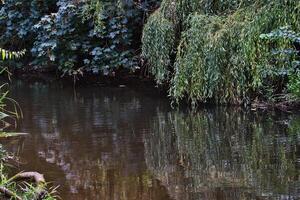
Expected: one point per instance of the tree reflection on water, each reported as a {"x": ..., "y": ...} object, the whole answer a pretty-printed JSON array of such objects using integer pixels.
[
  {"x": 224, "y": 153},
  {"x": 115, "y": 143}
]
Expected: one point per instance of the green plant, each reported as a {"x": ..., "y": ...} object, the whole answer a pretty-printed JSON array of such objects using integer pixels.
[
  {"x": 158, "y": 45},
  {"x": 294, "y": 84},
  {"x": 4, "y": 99},
  {"x": 222, "y": 56},
  {"x": 12, "y": 189},
  {"x": 284, "y": 43},
  {"x": 9, "y": 55},
  {"x": 5, "y": 113},
  {"x": 95, "y": 36}
]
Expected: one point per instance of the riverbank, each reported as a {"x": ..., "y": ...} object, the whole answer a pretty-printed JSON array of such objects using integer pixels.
[
  {"x": 285, "y": 103},
  {"x": 14, "y": 182},
  {"x": 226, "y": 52},
  {"x": 17, "y": 184}
]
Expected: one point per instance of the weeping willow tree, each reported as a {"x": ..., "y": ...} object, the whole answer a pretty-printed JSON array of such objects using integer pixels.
[{"x": 220, "y": 54}]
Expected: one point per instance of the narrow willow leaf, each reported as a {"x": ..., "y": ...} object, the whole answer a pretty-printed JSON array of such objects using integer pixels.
[{"x": 3, "y": 54}]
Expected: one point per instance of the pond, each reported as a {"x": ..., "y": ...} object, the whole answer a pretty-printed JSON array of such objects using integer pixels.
[{"x": 124, "y": 144}]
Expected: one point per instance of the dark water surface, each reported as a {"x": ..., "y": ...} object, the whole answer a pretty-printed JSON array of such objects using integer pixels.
[{"x": 120, "y": 144}]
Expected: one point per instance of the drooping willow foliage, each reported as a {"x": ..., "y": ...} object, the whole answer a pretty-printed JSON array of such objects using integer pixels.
[
  {"x": 158, "y": 45},
  {"x": 221, "y": 55}
]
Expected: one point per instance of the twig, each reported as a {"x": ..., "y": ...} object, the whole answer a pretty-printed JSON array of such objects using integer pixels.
[
  {"x": 38, "y": 178},
  {"x": 35, "y": 176},
  {"x": 6, "y": 192}
]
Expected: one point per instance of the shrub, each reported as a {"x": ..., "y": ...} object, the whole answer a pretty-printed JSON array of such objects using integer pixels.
[
  {"x": 76, "y": 36},
  {"x": 285, "y": 50},
  {"x": 294, "y": 84},
  {"x": 17, "y": 18}
]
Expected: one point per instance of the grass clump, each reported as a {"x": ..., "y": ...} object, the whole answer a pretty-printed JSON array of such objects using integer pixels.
[{"x": 11, "y": 188}]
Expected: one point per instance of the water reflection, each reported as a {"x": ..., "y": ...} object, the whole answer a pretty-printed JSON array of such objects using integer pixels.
[
  {"x": 90, "y": 142},
  {"x": 225, "y": 154},
  {"x": 115, "y": 143}
]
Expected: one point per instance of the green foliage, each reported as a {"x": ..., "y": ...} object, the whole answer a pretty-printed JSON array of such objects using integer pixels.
[
  {"x": 158, "y": 43},
  {"x": 294, "y": 84},
  {"x": 17, "y": 18},
  {"x": 181, "y": 9},
  {"x": 13, "y": 113},
  {"x": 96, "y": 36},
  {"x": 285, "y": 41},
  {"x": 24, "y": 190},
  {"x": 210, "y": 62},
  {"x": 283, "y": 33},
  {"x": 9, "y": 55},
  {"x": 220, "y": 50},
  {"x": 222, "y": 54},
  {"x": 60, "y": 38},
  {"x": 196, "y": 69},
  {"x": 6, "y": 101},
  {"x": 112, "y": 23}
]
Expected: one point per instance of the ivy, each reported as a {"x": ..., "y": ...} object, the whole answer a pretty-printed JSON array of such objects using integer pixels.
[{"x": 95, "y": 36}]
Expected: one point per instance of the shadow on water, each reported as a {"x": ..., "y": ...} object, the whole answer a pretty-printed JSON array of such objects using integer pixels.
[{"x": 115, "y": 143}]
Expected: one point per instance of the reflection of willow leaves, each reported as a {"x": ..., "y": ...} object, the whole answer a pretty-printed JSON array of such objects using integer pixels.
[{"x": 223, "y": 147}]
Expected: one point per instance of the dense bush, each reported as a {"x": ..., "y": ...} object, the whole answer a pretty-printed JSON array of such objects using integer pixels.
[
  {"x": 76, "y": 35},
  {"x": 285, "y": 52},
  {"x": 221, "y": 52},
  {"x": 17, "y": 18},
  {"x": 74, "y": 42}
]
